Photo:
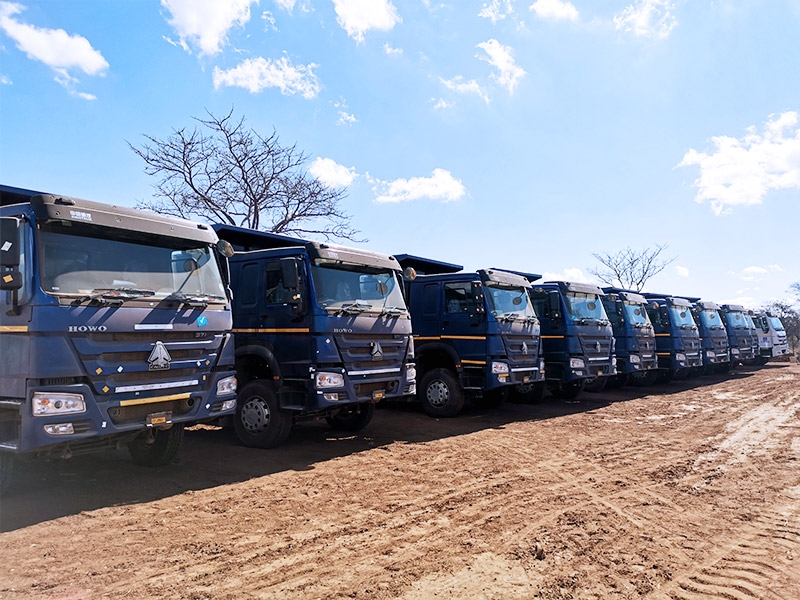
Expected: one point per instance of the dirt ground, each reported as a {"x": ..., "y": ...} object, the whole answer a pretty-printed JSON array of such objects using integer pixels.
[{"x": 686, "y": 490}]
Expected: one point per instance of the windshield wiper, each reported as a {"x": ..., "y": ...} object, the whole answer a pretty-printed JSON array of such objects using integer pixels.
[
  {"x": 193, "y": 300},
  {"x": 392, "y": 311},
  {"x": 113, "y": 296},
  {"x": 354, "y": 308}
]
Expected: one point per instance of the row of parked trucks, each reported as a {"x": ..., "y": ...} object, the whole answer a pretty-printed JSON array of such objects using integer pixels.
[{"x": 121, "y": 327}]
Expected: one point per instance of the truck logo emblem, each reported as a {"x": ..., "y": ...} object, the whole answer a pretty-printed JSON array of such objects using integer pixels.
[
  {"x": 597, "y": 347},
  {"x": 524, "y": 348},
  {"x": 376, "y": 351},
  {"x": 159, "y": 358}
]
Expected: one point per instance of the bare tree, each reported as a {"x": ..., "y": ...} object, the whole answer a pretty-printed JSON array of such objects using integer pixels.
[
  {"x": 225, "y": 172},
  {"x": 630, "y": 269}
]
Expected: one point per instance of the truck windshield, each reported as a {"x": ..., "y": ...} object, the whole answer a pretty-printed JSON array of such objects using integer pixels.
[
  {"x": 681, "y": 317},
  {"x": 78, "y": 264},
  {"x": 710, "y": 319},
  {"x": 509, "y": 303},
  {"x": 735, "y": 320},
  {"x": 584, "y": 308},
  {"x": 357, "y": 288},
  {"x": 749, "y": 320},
  {"x": 776, "y": 324},
  {"x": 636, "y": 314}
]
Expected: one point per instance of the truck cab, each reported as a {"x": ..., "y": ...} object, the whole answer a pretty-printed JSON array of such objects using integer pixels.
[
  {"x": 713, "y": 336},
  {"x": 577, "y": 338},
  {"x": 115, "y": 327},
  {"x": 677, "y": 337},
  {"x": 476, "y": 335},
  {"x": 322, "y": 331},
  {"x": 772, "y": 339},
  {"x": 742, "y": 339},
  {"x": 634, "y": 336}
]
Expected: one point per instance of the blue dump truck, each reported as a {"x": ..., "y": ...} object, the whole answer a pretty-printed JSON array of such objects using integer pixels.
[
  {"x": 742, "y": 338},
  {"x": 772, "y": 341},
  {"x": 677, "y": 337},
  {"x": 713, "y": 336},
  {"x": 476, "y": 335},
  {"x": 115, "y": 329},
  {"x": 635, "y": 338},
  {"x": 577, "y": 339},
  {"x": 322, "y": 331}
]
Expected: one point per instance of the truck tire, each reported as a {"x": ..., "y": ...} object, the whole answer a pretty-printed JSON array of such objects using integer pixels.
[
  {"x": 643, "y": 378},
  {"x": 440, "y": 394},
  {"x": 530, "y": 393},
  {"x": 6, "y": 470},
  {"x": 259, "y": 421},
  {"x": 352, "y": 418},
  {"x": 569, "y": 390},
  {"x": 156, "y": 447}
]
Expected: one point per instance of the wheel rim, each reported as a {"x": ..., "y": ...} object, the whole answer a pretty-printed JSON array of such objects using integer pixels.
[
  {"x": 438, "y": 393},
  {"x": 255, "y": 415}
]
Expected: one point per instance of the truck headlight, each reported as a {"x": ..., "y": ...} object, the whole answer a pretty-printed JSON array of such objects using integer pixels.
[
  {"x": 57, "y": 403},
  {"x": 680, "y": 357},
  {"x": 226, "y": 385},
  {"x": 411, "y": 372},
  {"x": 710, "y": 355},
  {"x": 328, "y": 380},
  {"x": 734, "y": 352},
  {"x": 576, "y": 363},
  {"x": 499, "y": 367},
  {"x": 635, "y": 358}
]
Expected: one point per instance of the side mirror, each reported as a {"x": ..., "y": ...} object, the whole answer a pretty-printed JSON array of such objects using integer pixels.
[
  {"x": 554, "y": 304},
  {"x": 224, "y": 248},
  {"x": 290, "y": 273},
  {"x": 409, "y": 273},
  {"x": 477, "y": 297}
]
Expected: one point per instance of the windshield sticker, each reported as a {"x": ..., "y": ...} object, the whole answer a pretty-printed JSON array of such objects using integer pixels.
[
  {"x": 202, "y": 321},
  {"x": 6, "y": 246}
]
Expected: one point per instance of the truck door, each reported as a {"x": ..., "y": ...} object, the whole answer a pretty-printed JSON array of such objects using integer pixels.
[{"x": 463, "y": 323}]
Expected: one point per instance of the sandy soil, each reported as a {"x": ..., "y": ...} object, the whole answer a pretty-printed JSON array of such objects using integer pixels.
[{"x": 687, "y": 490}]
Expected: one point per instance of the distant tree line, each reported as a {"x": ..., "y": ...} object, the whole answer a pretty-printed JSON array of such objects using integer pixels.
[{"x": 789, "y": 313}]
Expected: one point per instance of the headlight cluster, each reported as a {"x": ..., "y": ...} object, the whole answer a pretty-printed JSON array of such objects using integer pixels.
[
  {"x": 576, "y": 363},
  {"x": 411, "y": 372},
  {"x": 57, "y": 403},
  {"x": 328, "y": 380},
  {"x": 635, "y": 358},
  {"x": 680, "y": 356},
  {"x": 226, "y": 386},
  {"x": 499, "y": 367}
]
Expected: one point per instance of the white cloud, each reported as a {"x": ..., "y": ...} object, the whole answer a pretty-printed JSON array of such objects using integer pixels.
[
  {"x": 5, "y": 80},
  {"x": 500, "y": 57},
  {"x": 441, "y": 185},
  {"x": 257, "y": 74},
  {"x": 441, "y": 104},
  {"x": 681, "y": 271},
  {"x": 555, "y": 10},
  {"x": 345, "y": 118},
  {"x": 648, "y": 18},
  {"x": 574, "y": 275},
  {"x": 55, "y": 48},
  {"x": 457, "y": 84},
  {"x": 206, "y": 23},
  {"x": 331, "y": 173},
  {"x": 357, "y": 17},
  {"x": 497, "y": 10},
  {"x": 287, "y": 5},
  {"x": 740, "y": 172},
  {"x": 392, "y": 51},
  {"x": 756, "y": 273}
]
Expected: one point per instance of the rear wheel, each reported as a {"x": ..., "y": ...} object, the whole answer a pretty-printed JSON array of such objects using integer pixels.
[
  {"x": 440, "y": 394},
  {"x": 352, "y": 418},
  {"x": 259, "y": 421},
  {"x": 156, "y": 447}
]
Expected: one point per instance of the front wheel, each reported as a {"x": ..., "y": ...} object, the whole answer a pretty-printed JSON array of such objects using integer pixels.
[
  {"x": 352, "y": 418},
  {"x": 259, "y": 421},
  {"x": 156, "y": 447},
  {"x": 440, "y": 394}
]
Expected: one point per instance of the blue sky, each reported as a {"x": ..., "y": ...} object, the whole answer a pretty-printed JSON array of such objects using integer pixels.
[{"x": 521, "y": 135}]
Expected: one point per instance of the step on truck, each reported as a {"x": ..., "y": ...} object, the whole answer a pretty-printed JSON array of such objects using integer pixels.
[
  {"x": 772, "y": 341},
  {"x": 322, "y": 331},
  {"x": 635, "y": 340},
  {"x": 742, "y": 339},
  {"x": 115, "y": 328},
  {"x": 713, "y": 336},
  {"x": 577, "y": 339},
  {"x": 476, "y": 336},
  {"x": 677, "y": 337}
]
